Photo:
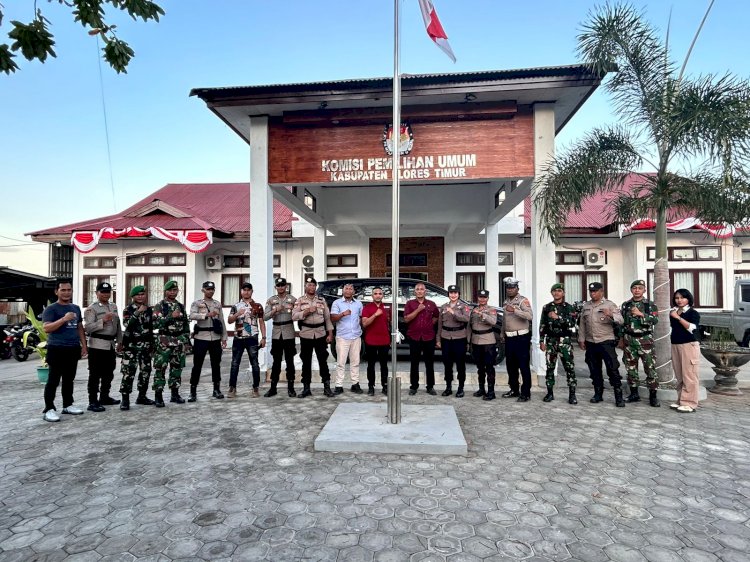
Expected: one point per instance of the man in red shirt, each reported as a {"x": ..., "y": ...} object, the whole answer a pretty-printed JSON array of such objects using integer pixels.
[
  {"x": 421, "y": 315},
  {"x": 376, "y": 323}
]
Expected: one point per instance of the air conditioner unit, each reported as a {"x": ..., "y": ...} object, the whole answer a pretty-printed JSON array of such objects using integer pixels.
[
  {"x": 594, "y": 258},
  {"x": 215, "y": 262}
]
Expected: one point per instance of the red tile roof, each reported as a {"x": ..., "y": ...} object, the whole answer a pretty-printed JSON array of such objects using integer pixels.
[
  {"x": 220, "y": 207},
  {"x": 596, "y": 212}
]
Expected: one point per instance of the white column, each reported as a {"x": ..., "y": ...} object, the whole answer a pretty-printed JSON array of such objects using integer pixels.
[
  {"x": 261, "y": 212},
  {"x": 542, "y": 250},
  {"x": 491, "y": 282},
  {"x": 319, "y": 253}
]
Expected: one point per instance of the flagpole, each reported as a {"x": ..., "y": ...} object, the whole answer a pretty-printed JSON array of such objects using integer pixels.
[{"x": 394, "y": 383}]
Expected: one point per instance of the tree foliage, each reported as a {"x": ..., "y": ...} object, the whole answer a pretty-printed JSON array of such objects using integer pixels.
[
  {"x": 34, "y": 41},
  {"x": 692, "y": 134}
]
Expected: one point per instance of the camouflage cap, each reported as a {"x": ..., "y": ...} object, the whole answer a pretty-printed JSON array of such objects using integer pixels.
[{"x": 137, "y": 290}]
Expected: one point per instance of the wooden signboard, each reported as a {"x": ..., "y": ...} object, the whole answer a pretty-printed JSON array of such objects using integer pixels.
[{"x": 331, "y": 153}]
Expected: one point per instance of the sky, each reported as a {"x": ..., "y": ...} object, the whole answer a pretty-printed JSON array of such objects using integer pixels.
[{"x": 54, "y": 138}]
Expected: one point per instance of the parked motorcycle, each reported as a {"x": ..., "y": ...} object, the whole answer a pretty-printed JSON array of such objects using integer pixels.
[{"x": 22, "y": 340}]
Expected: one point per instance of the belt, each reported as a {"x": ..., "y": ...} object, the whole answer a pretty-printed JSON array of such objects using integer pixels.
[
  {"x": 304, "y": 325},
  {"x": 480, "y": 332},
  {"x": 102, "y": 337},
  {"x": 203, "y": 329},
  {"x": 282, "y": 323},
  {"x": 454, "y": 328},
  {"x": 516, "y": 333}
]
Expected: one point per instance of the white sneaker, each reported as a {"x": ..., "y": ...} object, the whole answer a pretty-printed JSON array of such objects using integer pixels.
[
  {"x": 685, "y": 409},
  {"x": 51, "y": 416},
  {"x": 674, "y": 406},
  {"x": 72, "y": 410}
]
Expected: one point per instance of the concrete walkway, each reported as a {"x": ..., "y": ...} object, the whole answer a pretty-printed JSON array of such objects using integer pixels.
[{"x": 238, "y": 479}]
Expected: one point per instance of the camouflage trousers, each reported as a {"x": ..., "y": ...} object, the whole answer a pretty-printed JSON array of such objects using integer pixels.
[
  {"x": 562, "y": 348},
  {"x": 135, "y": 358},
  {"x": 172, "y": 356},
  {"x": 643, "y": 347}
]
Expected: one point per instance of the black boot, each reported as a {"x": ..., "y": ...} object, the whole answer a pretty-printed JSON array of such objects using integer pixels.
[
  {"x": 158, "y": 399},
  {"x": 176, "y": 398},
  {"x": 572, "y": 396},
  {"x": 305, "y": 391},
  {"x": 652, "y": 399},
  {"x": 550, "y": 395},
  {"x": 619, "y": 402},
  {"x": 448, "y": 390},
  {"x": 490, "y": 392},
  {"x": 290, "y": 389},
  {"x": 142, "y": 399},
  {"x": 327, "y": 390},
  {"x": 217, "y": 392},
  {"x": 193, "y": 393},
  {"x": 634, "y": 396},
  {"x": 370, "y": 390},
  {"x": 106, "y": 400},
  {"x": 480, "y": 392},
  {"x": 271, "y": 391},
  {"x": 598, "y": 391},
  {"x": 125, "y": 403},
  {"x": 460, "y": 391}
]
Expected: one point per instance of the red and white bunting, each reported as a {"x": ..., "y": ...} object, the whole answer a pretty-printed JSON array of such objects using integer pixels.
[{"x": 194, "y": 241}]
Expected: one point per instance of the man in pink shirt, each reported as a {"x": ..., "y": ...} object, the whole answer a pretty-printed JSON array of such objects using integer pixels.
[
  {"x": 376, "y": 323},
  {"x": 421, "y": 315}
]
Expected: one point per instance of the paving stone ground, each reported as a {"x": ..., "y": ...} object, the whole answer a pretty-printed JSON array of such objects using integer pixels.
[{"x": 239, "y": 480}]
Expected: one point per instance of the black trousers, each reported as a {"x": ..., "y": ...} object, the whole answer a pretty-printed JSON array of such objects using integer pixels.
[
  {"x": 417, "y": 350},
  {"x": 63, "y": 362},
  {"x": 306, "y": 348},
  {"x": 454, "y": 351},
  {"x": 286, "y": 349},
  {"x": 603, "y": 351},
  {"x": 517, "y": 358},
  {"x": 200, "y": 348},
  {"x": 102, "y": 363},
  {"x": 377, "y": 354},
  {"x": 484, "y": 357}
]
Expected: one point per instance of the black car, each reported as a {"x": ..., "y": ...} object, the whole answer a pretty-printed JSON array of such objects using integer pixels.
[{"x": 333, "y": 289}]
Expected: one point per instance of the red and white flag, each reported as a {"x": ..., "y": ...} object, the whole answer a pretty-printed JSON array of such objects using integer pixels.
[{"x": 434, "y": 28}]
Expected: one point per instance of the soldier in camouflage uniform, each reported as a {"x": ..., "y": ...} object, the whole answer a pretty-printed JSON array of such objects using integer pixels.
[
  {"x": 555, "y": 329},
  {"x": 640, "y": 315},
  {"x": 138, "y": 346},
  {"x": 173, "y": 342}
]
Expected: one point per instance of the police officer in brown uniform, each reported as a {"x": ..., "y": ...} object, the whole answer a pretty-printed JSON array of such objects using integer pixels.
[
  {"x": 279, "y": 309},
  {"x": 483, "y": 344},
  {"x": 517, "y": 338},
  {"x": 315, "y": 333},
  {"x": 210, "y": 337},
  {"x": 451, "y": 339},
  {"x": 597, "y": 337},
  {"x": 102, "y": 325}
]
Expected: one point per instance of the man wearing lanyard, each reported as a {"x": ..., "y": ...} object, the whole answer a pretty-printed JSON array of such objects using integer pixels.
[
  {"x": 421, "y": 315},
  {"x": 346, "y": 313}
]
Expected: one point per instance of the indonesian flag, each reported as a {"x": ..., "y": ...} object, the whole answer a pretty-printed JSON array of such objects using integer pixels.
[{"x": 434, "y": 28}]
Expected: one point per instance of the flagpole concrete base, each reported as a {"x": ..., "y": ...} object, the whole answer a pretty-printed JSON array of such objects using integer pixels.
[{"x": 364, "y": 428}]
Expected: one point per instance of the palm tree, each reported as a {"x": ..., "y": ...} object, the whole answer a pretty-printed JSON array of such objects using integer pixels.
[{"x": 691, "y": 134}]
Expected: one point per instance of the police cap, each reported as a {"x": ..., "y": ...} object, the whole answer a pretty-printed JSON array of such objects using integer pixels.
[
  {"x": 104, "y": 287},
  {"x": 453, "y": 289},
  {"x": 281, "y": 282},
  {"x": 484, "y": 293},
  {"x": 595, "y": 286},
  {"x": 209, "y": 285}
]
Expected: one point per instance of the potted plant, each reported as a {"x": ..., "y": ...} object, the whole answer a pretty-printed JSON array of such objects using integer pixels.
[
  {"x": 42, "y": 371},
  {"x": 727, "y": 358}
]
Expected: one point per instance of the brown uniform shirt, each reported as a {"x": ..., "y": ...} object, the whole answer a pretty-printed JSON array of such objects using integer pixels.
[
  {"x": 595, "y": 326},
  {"x": 94, "y": 326},
  {"x": 520, "y": 318},
  {"x": 317, "y": 324},
  {"x": 283, "y": 328},
  {"x": 453, "y": 326},
  {"x": 481, "y": 322},
  {"x": 199, "y": 311}
]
